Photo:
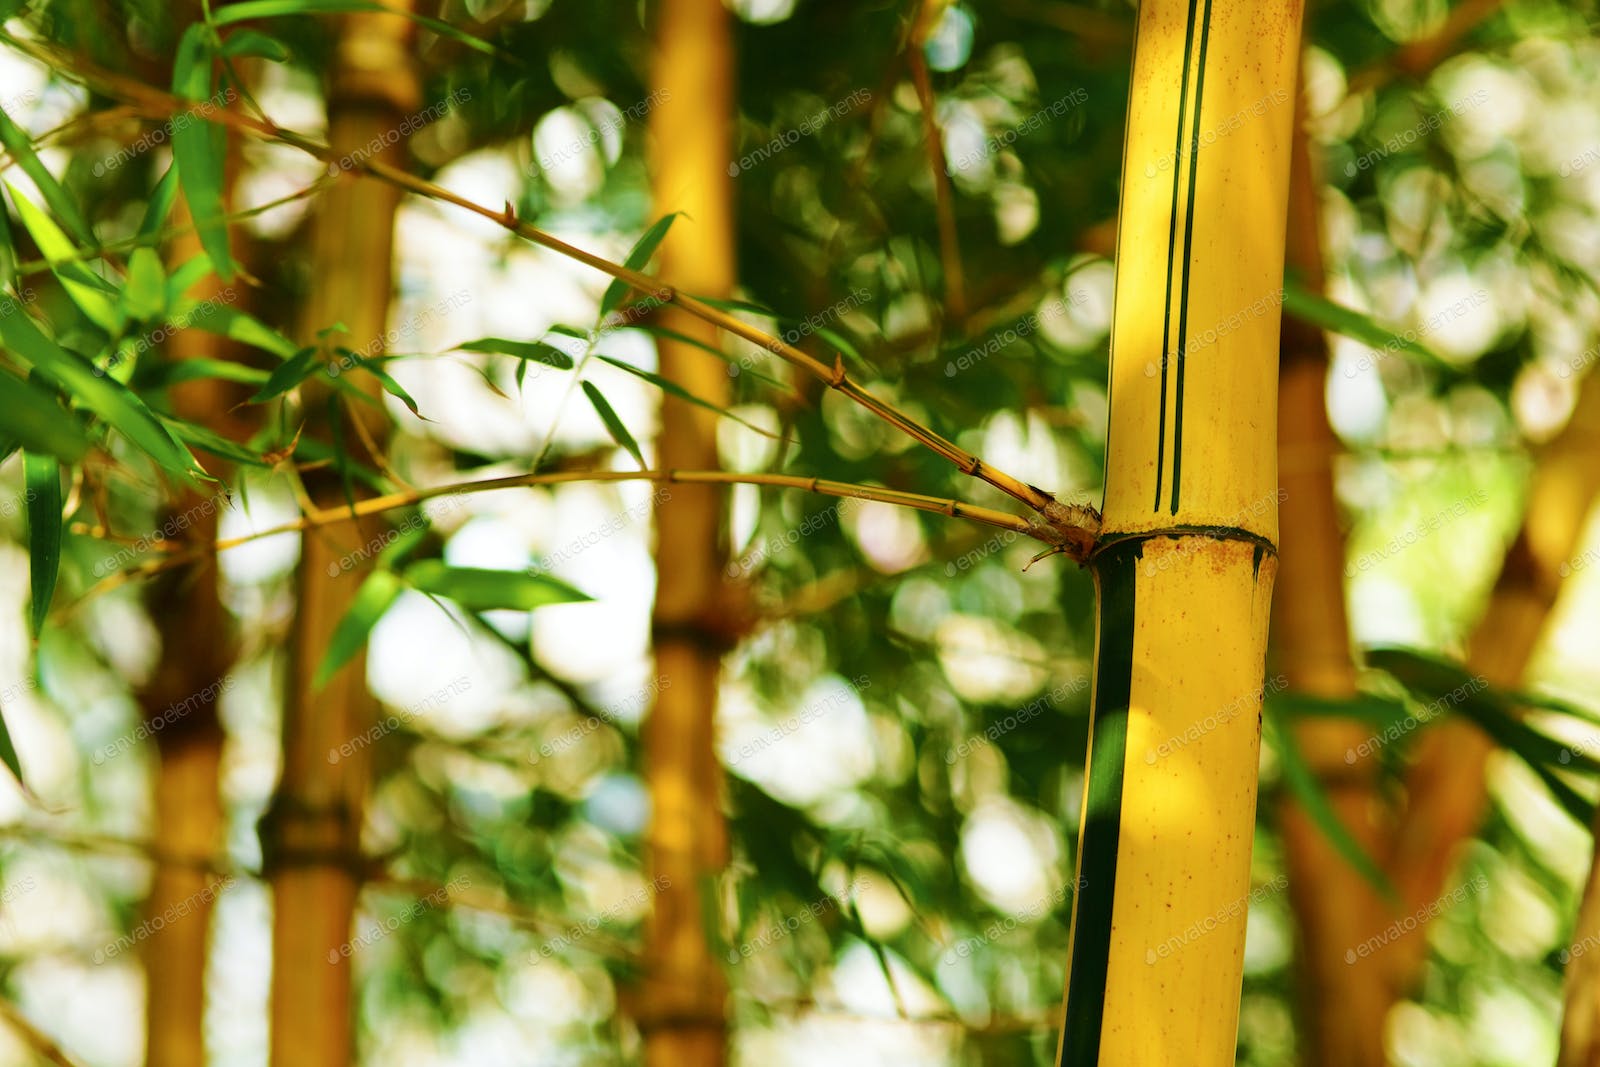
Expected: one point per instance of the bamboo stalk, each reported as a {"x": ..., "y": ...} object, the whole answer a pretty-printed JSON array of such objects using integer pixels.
[
  {"x": 1185, "y": 566},
  {"x": 311, "y": 834},
  {"x": 682, "y": 1009}
]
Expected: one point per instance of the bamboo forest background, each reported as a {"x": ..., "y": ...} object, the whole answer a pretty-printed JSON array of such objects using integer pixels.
[{"x": 922, "y": 194}]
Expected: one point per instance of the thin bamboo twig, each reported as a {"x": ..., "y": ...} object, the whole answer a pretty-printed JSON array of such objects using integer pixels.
[
  {"x": 1071, "y": 529},
  {"x": 955, "y": 288},
  {"x": 37, "y": 1039}
]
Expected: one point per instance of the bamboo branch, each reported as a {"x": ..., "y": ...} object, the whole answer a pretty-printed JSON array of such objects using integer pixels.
[
  {"x": 949, "y": 243},
  {"x": 37, "y": 1039},
  {"x": 1072, "y": 530}
]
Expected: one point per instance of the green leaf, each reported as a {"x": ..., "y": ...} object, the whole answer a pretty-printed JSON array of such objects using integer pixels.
[
  {"x": 145, "y": 296},
  {"x": 172, "y": 372},
  {"x": 738, "y": 305},
  {"x": 249, "y": 42},
  {"x": 88, "y": 290},
  {"x": 619, "y": 433},
  {"x": 104, "y": 396},
  {"x": 288, "y": 374},
  {"x": 8, "y": 251},
  {"x": 637, "y": 259},
  {"x": 1319, "y": 311},
  {"x": 42, "y": 475},
  {"x": 214, "y": 443},
  {"x": 668, "y": 386},
  {"x": 534, "y": 351},
  {"x": 266, "y": 9},
  {"x": 199, "y": 145},
  {"x": 487, "y": 590},
  {"x": 159, "y": 206},
  {"x": 8, "y": 751},
  {"x": 36, "y": 421},
  {"x": 1308, "y": 792},
  {"x": 212, "y": 316},
  {"x": 743, "y": 366},
  {"x": 390, "y": 386},
  {"x": 20, "y": 147},
  {"x": 375, "y": 596}
]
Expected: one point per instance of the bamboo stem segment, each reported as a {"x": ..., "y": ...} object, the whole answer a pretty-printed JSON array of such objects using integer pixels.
[{"x": 1187, "y": 556}]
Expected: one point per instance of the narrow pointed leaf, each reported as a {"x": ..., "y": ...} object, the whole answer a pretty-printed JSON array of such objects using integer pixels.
[
  {"x": 199, "y": 146},
  {"x": 105, "y": 396},
  {"x": 1319, "y": 311},
  {"x": 532, "y": 351},
  {"x": 159, "y": 206},
  {"x": 214, "y": 443},
  {"x": 374, "y": 598},
  {"x": 288, "y": 374},
  {"x": 20, "y": 147},
  {"x": 488, "y": 590},
  {"x": 264, "y": 9},
  {"x": 42, "y": 475},
  {"x": 144, "y": 297},
  {"x": 619, "y": 433},
  {"x": 35, "y": 421},
  {"x": 637, "y": 259},
  {"x": 213, "y": 316},
  {"x": 255, "y": 43},
  {"x": 390, "y": 386},
  {"x": 89, "y": 291},
  {"x": 668, "y": 386}
]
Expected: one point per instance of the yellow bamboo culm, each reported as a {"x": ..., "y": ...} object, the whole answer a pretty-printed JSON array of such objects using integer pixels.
[{"x": 1187, "y": 555}]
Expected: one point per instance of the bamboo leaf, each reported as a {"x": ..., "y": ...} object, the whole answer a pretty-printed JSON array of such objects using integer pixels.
[
  {"x": 42, "y": 475},
  {"x": 144, "y": 297},
  {"x": 488, "y": 590},
  {"x": 199, "y": 145},
  {"x": 214, "y": 443},
  {"x": 171, "y": 373},
  {"x": 20, "y": 147},
  {"x": 104, "y": 396},
  {"x": 619, "y": 433},
  {"x": 377, "y": 593},
  {"x": 249, "y": 42},
  {"x": 637, "y": 259},
  {"x": 88, "y": 290},
  {"x": 35, "y": 421},
  {"x": 211, "y": 316},
  {"x": 8, "y": 751},
  {"x": 1305, "y": 788},
  {"x": 390, "y": 386},
  {"x": 265, "y": 9},
  {"x": 668, "y": 386},
  {"x": 1319, "y": 311},
  {"x": 159, "y": 206},
  {"x": 288, "y": 374},
  {"x": 8, "y": 251},
  {"x": 532, "y": 351}
]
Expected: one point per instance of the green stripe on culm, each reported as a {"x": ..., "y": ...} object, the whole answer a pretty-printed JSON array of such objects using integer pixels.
[{"x": 1115, "y": 572}]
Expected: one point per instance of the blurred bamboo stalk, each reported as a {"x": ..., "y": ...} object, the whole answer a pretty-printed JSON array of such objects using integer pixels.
[
  {"x": 682, "y": 1005},
  {"x": 1342, "y": 1005},
  {"x": 311, "y": 834}
]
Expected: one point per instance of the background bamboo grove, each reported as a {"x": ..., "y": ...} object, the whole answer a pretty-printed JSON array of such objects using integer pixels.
[{"x": 769, "y": 532}]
